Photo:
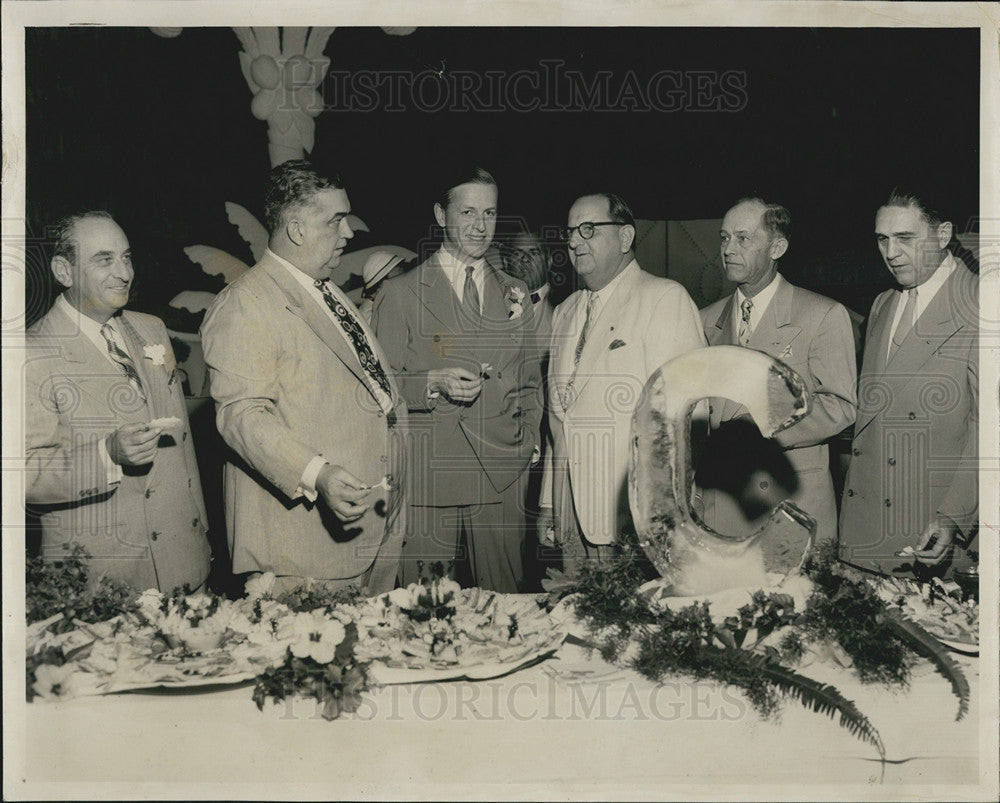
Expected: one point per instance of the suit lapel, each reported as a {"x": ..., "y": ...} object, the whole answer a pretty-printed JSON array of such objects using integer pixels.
[
  {"x": 775, "y": 333},
  {"x": 435, "y": 293},
  {"x": 602, "y": 329},
  {"x": 153, "y": 385},
  {"x": 721, "y": 333},
  {"x": 308, "y": 310}
]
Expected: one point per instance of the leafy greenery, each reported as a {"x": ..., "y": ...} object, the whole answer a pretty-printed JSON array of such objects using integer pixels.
[
  {"x": 62, "y": 587},
  {"x": 337, "y": 685}
]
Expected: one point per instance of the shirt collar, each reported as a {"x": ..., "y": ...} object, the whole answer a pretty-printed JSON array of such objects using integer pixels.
[
  {"x": 761, "y": 300},
  {"x": 88, "y": 326},
  {"x": 927, "y": 290},
  {"x": 455, "y": 269},
  {"x": 609, "y": 289},
  {"x": 540, "y": 294}
]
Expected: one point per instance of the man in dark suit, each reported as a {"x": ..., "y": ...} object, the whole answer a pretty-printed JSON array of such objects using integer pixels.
[
  {"x": 808, "y": 332},
  {"x": 912, "y": 485},
  {"x": 305, "y": 401},
  {"x": 110, "y": 463},
  {"x": 458, "y": 335}
]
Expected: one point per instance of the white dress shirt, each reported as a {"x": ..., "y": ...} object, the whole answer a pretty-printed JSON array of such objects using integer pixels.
[
  {"x": 761, "y": 301},
  {"x": 455, "y": 271}
]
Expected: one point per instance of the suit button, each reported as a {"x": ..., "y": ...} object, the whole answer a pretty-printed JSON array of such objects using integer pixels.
[
  {"x": 912, "y": 416},
  {"x": 856, "y": 452},
  {"x": 154, "y": 535},
  {"x": 437, "y": 338},
  {"x": 194, "y": 522},
  {"x": 892, "y": 461},
  {"x": 189, "y": 482},
  {"x": 888, "y": 503},
  {"x": 384, "y": 459},
  {"x": 83, "y": 493},
  {"x": 148, "y": 493},
  {"x": 380, "y": 413},
  {"x": 850, "y": 492},
  {"x": 499, "y": 375}
]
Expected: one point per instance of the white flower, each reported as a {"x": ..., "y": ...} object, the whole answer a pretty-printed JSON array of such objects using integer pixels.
[
  {"x": 515, "y": 302},
  {"x": 156, "y": 352},
  {"x": 66, "y": 681},
  {"x": 149, "y": 605},
  {"x": 260, "y": 585},
  {"x": 404, "y": 597},
  {"x": 316, "y": 636}
]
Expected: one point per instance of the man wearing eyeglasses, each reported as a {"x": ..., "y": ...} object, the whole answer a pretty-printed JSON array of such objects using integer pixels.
[
  {"x": 457, "y": 331},
  {"x": 808, "y": 332},
  {"x": 607, "y": 339}
]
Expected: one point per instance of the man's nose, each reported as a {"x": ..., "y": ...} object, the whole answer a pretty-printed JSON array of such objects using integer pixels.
[
  {"x": 345, "y": 229},
  {"x": 480, "y": 223},
  {"x": 892, "y": 248},
  {"x": 123, "y": 270}
]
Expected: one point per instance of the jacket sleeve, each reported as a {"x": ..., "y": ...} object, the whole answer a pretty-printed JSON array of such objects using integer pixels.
[
  {"x": 391, "y": 325},
  {"x": 242, "y": 353},
  {"x": 961, "y": 502},
  {"x": 833, "y": 372},
  {"x": 63, "y": 460}
]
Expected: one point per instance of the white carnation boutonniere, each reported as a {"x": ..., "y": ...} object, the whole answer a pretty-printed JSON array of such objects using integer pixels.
[
  {"x": 156, "y": 352},
  {"x": 786, "y": 354},
  {"x": 515, "y": 302}
]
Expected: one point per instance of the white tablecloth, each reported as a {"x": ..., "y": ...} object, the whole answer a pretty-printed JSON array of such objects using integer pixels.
[{"x": 535, "y": 733}]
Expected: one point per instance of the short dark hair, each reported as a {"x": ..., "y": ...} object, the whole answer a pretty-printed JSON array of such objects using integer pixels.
[
  {"x": 64, "y": 232},
  {"x": 905, "y": 198},
  {"x": 293, "y": 183},
  {"x": 475, "y": 175},
  {"x": 776, "y": 219},
  {"x": 618, "y": 210}
]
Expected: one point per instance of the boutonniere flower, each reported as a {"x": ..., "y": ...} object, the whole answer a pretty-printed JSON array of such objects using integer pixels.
[
  {"x": 786, "y": 354},
  {"x": 156, "y": 352},
  {"x": 515, "y": 302}
]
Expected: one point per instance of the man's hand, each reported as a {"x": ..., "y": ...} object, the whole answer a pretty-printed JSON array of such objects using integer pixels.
[
  {"x": 133, "y": 444},
  {"x": 545, "y": 525},
  {"x": 456, "y": 384},
  {"x": 342, "y": 492},
  {"x": 936, "y": 541}
]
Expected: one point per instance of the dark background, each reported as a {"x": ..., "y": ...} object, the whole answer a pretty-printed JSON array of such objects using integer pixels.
[{"x": 159, "y": 132}]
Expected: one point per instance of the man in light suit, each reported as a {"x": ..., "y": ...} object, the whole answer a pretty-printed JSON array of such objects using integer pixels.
[
  {"x": 911, "y": 493},
  {"x": 304, "y": 400},
  {"x": 458, "y": 333},
  {"x": 110, "y": 463},
  {"x": 606, "y": 341},
  {"x": 809, "y": 333}
]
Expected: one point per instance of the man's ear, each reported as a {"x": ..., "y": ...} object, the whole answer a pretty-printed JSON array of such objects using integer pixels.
[
  {"x": 293, "y": 230},
  {"x": 944, "y": 235},
  {"x": 62, "y": 270},
  {"x": 626, "y": 236},
  {"x": 439, "y": 215},
  {"x": 778, "y": 247}
]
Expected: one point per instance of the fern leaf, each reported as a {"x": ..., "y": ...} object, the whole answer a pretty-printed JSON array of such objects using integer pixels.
[
  {"x": 822, "y": 697},
  {"x": 923, "y": 643}
]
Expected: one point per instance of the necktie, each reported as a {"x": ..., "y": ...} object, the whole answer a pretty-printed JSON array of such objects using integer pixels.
[
  {"x": 745, "y": 308},
  {"x": 470, "y": 294},
  {"x": 591, "y": 303},
  {"x": 354, "y": 331},
  {"x": 905, "y": 322},
  {"x": 122, "y": 359},
  {"x": 567, "y": 393}
]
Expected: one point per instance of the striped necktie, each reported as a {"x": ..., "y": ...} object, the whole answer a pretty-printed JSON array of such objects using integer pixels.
[
  {"x": 122, "y": 359},
  {"x": 470, "y": 294},
  {"x": 362, "y": 348}
]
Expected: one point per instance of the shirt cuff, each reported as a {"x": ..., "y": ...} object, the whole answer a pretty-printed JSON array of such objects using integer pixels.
[
  {"x": 307, "y": 485},
  {"x": 112, "y": 470}
]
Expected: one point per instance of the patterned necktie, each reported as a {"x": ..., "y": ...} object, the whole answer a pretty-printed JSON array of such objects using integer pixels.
[
  {"x": 591, "y": 303},
  {"x": 122, "y": 359},
  {"x": 905, "y": 322},
  {"x": 470, "y": 294},
  {"x": 354, "y": 331},
  {"x": 566, "y": 397},
  {"x": 745, "y": 308}
]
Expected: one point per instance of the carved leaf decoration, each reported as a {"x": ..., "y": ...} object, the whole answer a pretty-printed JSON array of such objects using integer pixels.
[{"x": 250, "y": 229}]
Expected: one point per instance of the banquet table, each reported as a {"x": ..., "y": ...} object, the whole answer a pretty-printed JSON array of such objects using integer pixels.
[{"x": 570, "y": 726}]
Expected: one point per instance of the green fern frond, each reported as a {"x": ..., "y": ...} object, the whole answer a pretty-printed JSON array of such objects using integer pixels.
[
  {"x": 923, "y": 643},
  {"x": 821, "y": 697}
]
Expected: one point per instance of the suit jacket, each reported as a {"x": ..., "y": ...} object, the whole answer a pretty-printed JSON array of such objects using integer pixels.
[
  {"x": 646, "y": 322},
  {"x": 463, "y": 454},
  {"x": 916, "y": 439},
  {"x": 148, "y": 530},
  {"x": 288, "y": 387},
  {"x": 811, "y": 334}
]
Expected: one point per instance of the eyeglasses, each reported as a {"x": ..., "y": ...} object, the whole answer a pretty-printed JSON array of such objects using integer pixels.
[{"x": 586, "y": 229}]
